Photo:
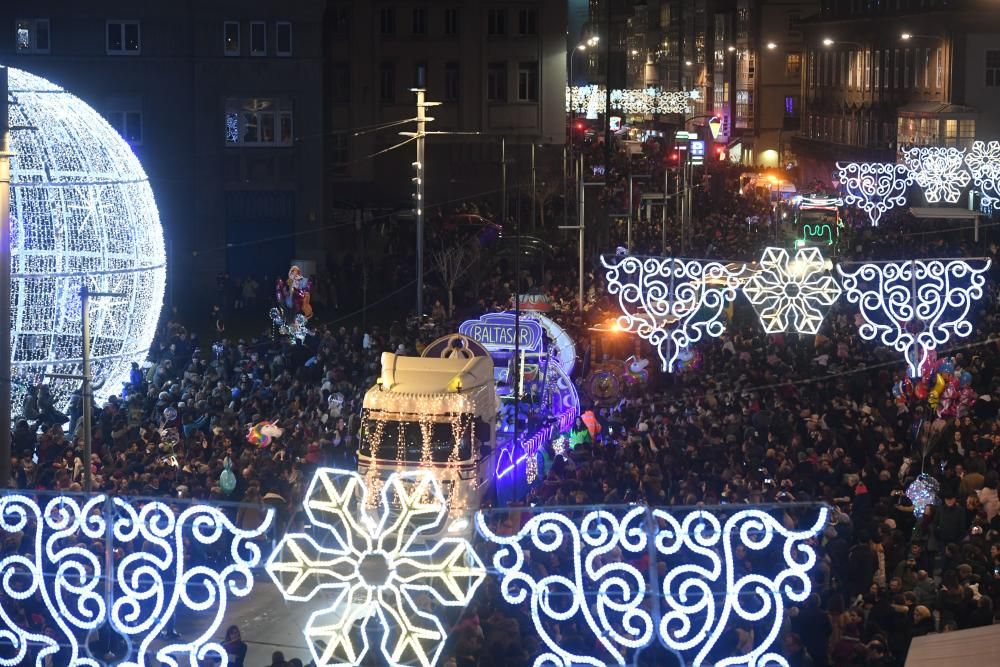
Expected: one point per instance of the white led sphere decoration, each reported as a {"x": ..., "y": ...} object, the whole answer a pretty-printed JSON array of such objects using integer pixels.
[{"x": 81, "y": 211}]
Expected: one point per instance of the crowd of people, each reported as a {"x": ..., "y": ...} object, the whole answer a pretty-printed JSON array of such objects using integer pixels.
[{"x": 763, "y": 419}]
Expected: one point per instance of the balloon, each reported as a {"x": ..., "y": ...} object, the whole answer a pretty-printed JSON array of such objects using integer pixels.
[
  {"x": 276, "y": 316},
  {"x": 227, "y": 480},
  {"x": 300, "y": 320},
  {"x": 947, "y": 366},
  {"x": 929, "y": 365},
  {"x": 965, "y": 378},
  {"x": 920, "y": 390},
  {"x": 897, "y": 390},
  {"x": 939, "y": 384},
  {"x": 262, "y": 433},
  {"x": 169, "y": 414}
]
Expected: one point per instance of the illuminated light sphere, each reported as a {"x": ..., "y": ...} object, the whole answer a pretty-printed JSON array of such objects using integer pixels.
[{"x": 82, "y": 211}]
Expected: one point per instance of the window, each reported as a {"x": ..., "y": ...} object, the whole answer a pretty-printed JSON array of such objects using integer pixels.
[
  {"x": 340, "y": 82},
  {"x": 283, "y": 38},
  {"x": 527, "y": 82},
  {"x": 420, "y": 21},
  {"x": 340, "y": 20},
  {"x": 791, "y": 105},
  {"x": 32, "y": 36},
  {"x": 452, "y": 82},
  {"x": 906, "y": 68},
  {"x": 231, "y": 38},
  {"x": 258, "y": 122},
  {"x": 420, "y": 75},
  {"x": 939, "y": 73},
  {"x": 123, "y": 38},
  {"x": 527, "y": 22},
  {"x": 496, "y": 22},
  {"x": 258, "y": 38},
  {"x": 895, "y": 69},
  {"x": 793, "y": 64},
  {"x": 992, "y": 68},
  {"x": 128, "y": 124},
  {"x": 339, "y": 153},
  {"x": 877, "y": 70},
  {"x": 387, "y": 82},
  {"x": 387, "y": 20},
  {"x": 850, "y": 69},
  {"x": 451, "y": 21},
  {"x": 496, "y": 82},
  {"x": 868, "y": 70}
]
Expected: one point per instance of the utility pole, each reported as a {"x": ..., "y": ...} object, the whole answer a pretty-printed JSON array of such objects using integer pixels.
[
  {"x": 419, "y": 178},
  {"x": 503, "y": 181},
  {"x": 87, "y": 380},
  {"x": 663, "y": 227},
  {"x": 5, "y": 362},
  {"x": 581, "y": 226}
]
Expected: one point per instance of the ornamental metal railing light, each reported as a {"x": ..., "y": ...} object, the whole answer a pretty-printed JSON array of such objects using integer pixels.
[{"x": 94, "y": 579}]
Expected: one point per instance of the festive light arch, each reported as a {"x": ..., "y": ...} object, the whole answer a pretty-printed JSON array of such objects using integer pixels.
[
  {"x": 376, "y": 568},
  {"x": 914, "y": 306},
  {"x": 984, "y": 163},
  {"x": 791, "y": 295},
  {"x": 82, "y": 211},
  {"x": 591, "y": 100},
  {"x": 153, "y": 581},
  {"x": 874, "y": 187}
]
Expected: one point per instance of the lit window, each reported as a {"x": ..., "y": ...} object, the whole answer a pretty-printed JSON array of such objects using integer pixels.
[
  {"x": 123, "y": 38},
  {"x": 231, "y": 38},
  {"x": 258, "y": 122},
  {"x": 32, "y": 36},
  {"x": 258, "y": 38},
  {"x": 283, "y": 38},
  {"x": 793, "y": 64}
]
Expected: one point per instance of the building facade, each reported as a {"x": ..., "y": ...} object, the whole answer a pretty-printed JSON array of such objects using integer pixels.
[
  {"x": 221, "y": 101},
  {"x": 880, "y": 77},
  {"x": 497, "y": 68}
]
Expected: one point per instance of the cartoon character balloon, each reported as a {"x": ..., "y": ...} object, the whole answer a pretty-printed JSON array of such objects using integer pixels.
[{"x": 263, "y": 433}]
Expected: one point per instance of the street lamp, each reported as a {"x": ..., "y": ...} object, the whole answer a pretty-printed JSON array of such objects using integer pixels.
[
  {"x": 772, "y": 46},
  {"x": 731, "y": 48},
  {"x": 827, "y": 41}
]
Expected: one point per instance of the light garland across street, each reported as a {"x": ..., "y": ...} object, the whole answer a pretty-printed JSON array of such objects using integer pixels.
[
  {"x": 791, "y": 295},
  {"x": 591, "y": 100},
  {"x": 874, "y": 187}
]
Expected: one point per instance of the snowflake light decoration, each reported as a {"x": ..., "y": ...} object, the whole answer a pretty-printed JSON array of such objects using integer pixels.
[
  {"x": 65, "y": 580},
  {"x": 791, "y": 295},
  {"x": 984, "y": 163},
  {"x": 391, "y": 569},
  {"x": 915, "y": 306},
  {"x": 702, "y": 594},
  {"x": 670, "y": 302},
  {"x": 591, "y": 100},
  {"x": 874, "y": 187},
  {"x": 941, "y": 172},
  {"x": 81, "y": 211}
]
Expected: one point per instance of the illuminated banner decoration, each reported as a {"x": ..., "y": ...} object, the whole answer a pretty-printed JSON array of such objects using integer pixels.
[
  {"x": 590, "y": 100},
  {"x": 915, "y": 306},
  {"x": 792, "y": 295},
  {"x": 874, "y": 187},
  {"x": 705, "y": 592},
  {"x": 158, "y": 572},
  {"x": 370, "y": 567},
  {"x": 939, "y": 171},
  {"x": 495, "y": 331},
  {"x": 670, "y": 302}
]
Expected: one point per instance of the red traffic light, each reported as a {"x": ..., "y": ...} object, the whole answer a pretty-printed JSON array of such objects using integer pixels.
[
  {"x": 673, "y": 156},
  {"x": 579, "y": 126}
]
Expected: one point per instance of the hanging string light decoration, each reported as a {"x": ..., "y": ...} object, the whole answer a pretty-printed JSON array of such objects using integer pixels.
[
  {"x": 922, "y": 492},
  {"x": 82, "y": 212},
  {"x": 874, "y": 187},
  {"x": 983, "y": 161},
  {"x": 915, "y": 306},
  {"x": 940, "y": 171},
  {"x": 590, "y": 100}
]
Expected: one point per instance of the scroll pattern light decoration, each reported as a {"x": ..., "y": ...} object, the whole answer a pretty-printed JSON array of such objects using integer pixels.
[
  {"x": 147, "y": 587},
  {"x": 915, "y": 306},
  {"x": 82, "y": 211},
  {"x": 984, "y": 163},
  {"x": 376, "y": 569},
  {"x": 670, "y": 302},
  {"x": 591, "y": 100},
  {"x": 693, "y": 618},
  {"x": 605, "y": 593},
  {"x": 791, "y": 295},
  {"x": 874, "y": 187},
  {"x": 941, "y": 172},
  {"x": 615, "y": 616}
]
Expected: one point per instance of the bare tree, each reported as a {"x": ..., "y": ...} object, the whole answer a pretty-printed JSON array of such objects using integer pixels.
[{"x": 452, "y": 264}]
